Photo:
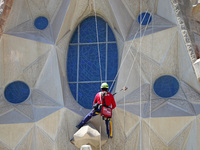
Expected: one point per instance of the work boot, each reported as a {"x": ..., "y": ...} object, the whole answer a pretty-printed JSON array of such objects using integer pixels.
[
  {"x": 78, "y": 126},
  {"x": 72, "y": 139}
]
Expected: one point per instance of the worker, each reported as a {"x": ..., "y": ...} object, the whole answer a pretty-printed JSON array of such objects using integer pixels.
[{"x": 103, "y": 98}]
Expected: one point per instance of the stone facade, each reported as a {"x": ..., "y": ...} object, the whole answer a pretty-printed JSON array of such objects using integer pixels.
[{"x": 142, "y": 119}]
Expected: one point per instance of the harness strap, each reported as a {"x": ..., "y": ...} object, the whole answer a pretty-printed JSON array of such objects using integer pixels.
[
  {"x": 105, "y": 109},
  {"x": 103, "y": 103}
]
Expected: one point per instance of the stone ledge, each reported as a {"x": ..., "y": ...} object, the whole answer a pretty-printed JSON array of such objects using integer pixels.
[{"x": 88, "y": 135}]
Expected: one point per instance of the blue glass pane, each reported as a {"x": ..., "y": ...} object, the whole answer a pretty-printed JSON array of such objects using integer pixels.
[
  {"x": 144, "y": 18},
  {"x": 112, "y": 61},
  {"x": 72, "y": 63},
  {"x": 102, "y": 49},
  {"x": 41, "y": 23},
  {"x": 88, "y": 30},
  {"x": 101, "y": 29},
  {"x": 73, "y": 89},
  {"x": 89, "y": 68},
  {"x": 75, "y": 37},
  {"x": 166, "y": 86},
  {"x": 110, "y": 87},
  {"x": 87, "y": 94},
  {"x": 111, "y": 36},
  {"x": 17, "y": 92}
]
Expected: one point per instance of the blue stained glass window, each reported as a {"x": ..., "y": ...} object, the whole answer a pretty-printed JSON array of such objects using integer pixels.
[
  {"x": 112, "y": 55},
  {"x": 144, "y": 18},
  {"x": 73, "y": 89},
  {"x": 90, "y": 62},
  {"x": 87, "y": 92},
  {"x": 101, "y": 30},
  {"x": 88, "y": 29},
  {"x": 17, "y": 92},
  {"x": 166, "y": 86},
  {"x": 89, "y": 69},
  {"x": 41, "y": 23},
  {"x": 74, "y": 38},
  {"x": 111, "y": 36},
  {"x": 72, "y": 62}
]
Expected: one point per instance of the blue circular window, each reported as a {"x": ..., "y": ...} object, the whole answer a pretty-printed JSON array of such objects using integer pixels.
[
  {"x": 91, "y": 60},
  {"x": 166, "y": 86},
  {"x": 17, "y": 92},
  {"x": 41, "y": 23},
  {"x": 144, "y": 18}
]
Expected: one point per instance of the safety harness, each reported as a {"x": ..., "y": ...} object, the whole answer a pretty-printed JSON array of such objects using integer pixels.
[{"x": 106, "y": 111}]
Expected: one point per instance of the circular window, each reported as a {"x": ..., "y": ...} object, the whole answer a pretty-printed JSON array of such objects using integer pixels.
[
  {"x": 166, "y": 86},
  {"x": 91, "y": 60},
  {"x": 41, "y": 23},
  {"x": 144, "y": 18},
  {"x": 17, "y": 92}
]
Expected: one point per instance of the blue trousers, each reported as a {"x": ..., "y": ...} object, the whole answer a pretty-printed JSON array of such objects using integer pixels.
[{"x": 89, "y": 116}]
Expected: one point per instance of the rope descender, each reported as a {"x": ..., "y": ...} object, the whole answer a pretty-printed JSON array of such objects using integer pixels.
[{"x": 123, "y": 89}]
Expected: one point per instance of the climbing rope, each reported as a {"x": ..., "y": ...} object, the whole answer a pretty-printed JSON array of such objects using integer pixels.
[
  {"x": 151, "y": 77},
  {"x": 99, "y": 64},
  {"x": 140, "y": 82},
  {"x": 129, "y": 73},
  {"x": 139, "y": 31},
  {"x": 97, "y": 38},
  {"x": 129, "y": 50}
]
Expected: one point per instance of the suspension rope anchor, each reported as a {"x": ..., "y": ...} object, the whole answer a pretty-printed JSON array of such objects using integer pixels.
[{"x": 123, "y": 89}]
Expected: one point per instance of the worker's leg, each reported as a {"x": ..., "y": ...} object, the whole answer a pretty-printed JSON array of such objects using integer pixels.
[
  {"x": 109, "y": 128},
  {"x": 86, "y": 119}
]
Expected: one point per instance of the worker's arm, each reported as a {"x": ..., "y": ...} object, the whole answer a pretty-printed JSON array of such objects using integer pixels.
[
  {"x": 95, "y": 99},
  {"x": 113, "y": 103}
]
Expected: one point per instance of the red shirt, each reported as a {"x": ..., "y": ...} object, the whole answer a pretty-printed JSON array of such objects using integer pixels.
[{"x": 109, "y": 99}]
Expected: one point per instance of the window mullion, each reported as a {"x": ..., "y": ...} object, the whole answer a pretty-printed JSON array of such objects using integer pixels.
[
  {"x": 77, "y": 79},
  {"x": 106, "y": 53}
]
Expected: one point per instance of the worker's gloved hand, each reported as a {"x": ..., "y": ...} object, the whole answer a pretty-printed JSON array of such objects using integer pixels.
[
  {"x": 95, "y": 106},
  {"x": 99, "y": 107}
]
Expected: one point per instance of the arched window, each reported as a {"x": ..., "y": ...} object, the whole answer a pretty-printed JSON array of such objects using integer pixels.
[{"x": 91, "y": 59}]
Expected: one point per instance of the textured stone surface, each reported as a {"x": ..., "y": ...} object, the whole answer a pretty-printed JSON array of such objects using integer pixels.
[
  {"x": 48, "y": 118},
  {"x": 88, "y": 135},
  {"x": 197, "y": 70},
  {"x": 11, "y": 134},
  {"x": 182, "y": 11},
  {"x": 168, "y": 128}
]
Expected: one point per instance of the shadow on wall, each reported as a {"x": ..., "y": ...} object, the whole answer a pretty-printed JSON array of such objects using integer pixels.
[{"x": 197, "y": 52}]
